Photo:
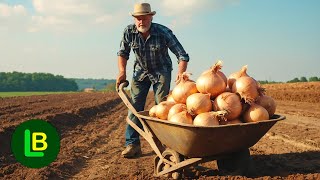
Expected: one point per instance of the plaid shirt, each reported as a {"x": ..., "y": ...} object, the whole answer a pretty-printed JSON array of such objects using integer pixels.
[{"x": 152, "y": 56}]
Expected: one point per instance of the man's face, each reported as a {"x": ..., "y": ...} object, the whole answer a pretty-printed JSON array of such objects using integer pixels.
[{"x": 143, "y": 23}]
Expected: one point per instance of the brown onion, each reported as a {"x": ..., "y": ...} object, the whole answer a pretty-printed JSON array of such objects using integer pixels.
[
  {"x": 247, "y": 88},
  {"x": 268, "y": 103},
  {"x": 176, "y": 109},
  {"x": 230, "y": 102},
  {"x": 199, "y": 103},
  {"x": 209, "y": 118},
  {"x": 234, "y": 76},
  {"x": 170, "y": 98},
  {"x": 211, "y": 82},
  {"x": 152, "y": 111},
  {"x": 185, "y": 88},
  {"x": 182, "y": 117},
  {"x": 163, "y": 109},
  {"x": 255, "y": 113}
]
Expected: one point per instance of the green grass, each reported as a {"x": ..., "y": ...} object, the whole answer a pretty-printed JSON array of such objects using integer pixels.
[{"x": 12, "y": 94}]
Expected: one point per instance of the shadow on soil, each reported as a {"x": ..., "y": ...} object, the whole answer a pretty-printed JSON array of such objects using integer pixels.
[{"x": 272, "y": 165}]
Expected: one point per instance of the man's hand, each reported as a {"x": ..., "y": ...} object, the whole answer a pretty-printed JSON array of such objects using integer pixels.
[
  {"x": 122, "y": 77},
  {"x": 182, "y": 67}
]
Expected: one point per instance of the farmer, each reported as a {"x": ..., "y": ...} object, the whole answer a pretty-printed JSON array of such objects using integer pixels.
[{"x": 152, "y": 66}]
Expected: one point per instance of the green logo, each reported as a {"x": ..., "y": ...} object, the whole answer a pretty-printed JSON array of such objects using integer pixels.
[{"x": 35, "y": 143}]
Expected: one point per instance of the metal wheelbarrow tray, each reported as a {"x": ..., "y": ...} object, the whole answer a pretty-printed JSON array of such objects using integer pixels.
[{"x": 180, "y": 145}]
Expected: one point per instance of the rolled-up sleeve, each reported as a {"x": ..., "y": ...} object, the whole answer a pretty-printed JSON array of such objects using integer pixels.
[
  {"x": 124, "y": 46},
  {"x": 176, "y": 48}
]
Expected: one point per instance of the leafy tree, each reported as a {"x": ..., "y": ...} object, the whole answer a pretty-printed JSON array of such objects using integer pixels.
[
  {"x": 294, "y": 80},
  {"x": 303, "y": 79},
  {"x": 18, "y": 81},
  {"x": 314, "y": 78}
]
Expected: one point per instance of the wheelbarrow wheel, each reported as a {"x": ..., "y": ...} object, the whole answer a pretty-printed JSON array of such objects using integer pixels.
[
  {"x": 171, "y": 156},
  {"x": 236, "y": 163}
]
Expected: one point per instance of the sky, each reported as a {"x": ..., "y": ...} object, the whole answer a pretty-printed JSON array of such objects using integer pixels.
[{"x": 278, "y": 40}]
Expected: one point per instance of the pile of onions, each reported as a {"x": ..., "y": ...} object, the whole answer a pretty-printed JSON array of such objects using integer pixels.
[
  {"x": 247, "y": 88},
  {"x": 212, "y": 81},
  {"x": 176, "y": 109},
  {"x": 209, "y": 118},
  {"x": 182, "y": 117},
  {"x": 185, "y": 88},
  {"x": 234, "y": 76},
  {"x": 268, "y": 103},
  {"x": 163, "y": 108},
  {"x": 230, "y": 102},
  {"x": 199, "y": 103},
  {"x": 152, "y": 111},
  {"x": 255, "y": 113}
]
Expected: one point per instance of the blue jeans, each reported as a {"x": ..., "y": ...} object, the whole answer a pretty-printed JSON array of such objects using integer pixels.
[{"x": 139, "y": 91}]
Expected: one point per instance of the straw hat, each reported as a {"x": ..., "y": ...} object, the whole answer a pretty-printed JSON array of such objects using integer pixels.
[{"x": 142, "y": 9}]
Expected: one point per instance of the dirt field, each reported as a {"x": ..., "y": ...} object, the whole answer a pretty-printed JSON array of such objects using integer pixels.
[{"x": 92, "y": 126}]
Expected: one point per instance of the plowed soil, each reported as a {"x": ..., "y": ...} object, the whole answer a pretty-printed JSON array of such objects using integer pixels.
[{"x": 92, "y": 126}]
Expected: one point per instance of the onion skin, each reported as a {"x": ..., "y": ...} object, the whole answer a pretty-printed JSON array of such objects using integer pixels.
[
  {"x": 185, "y": 88},
  {"x": 163, "y": 109},
  {"x": 230, "y": 102},
  {"x": 234, "y": 76},
  {"x": 182, "y": 117},
  {"x": 170, "y": 98},
  {"x": 176, "y": 109},
  {"x": 255, "y": 113},
  {"x": 211, "y": 81},
  {"x": 247, "y": 88},
  {"x": 208, "y": 118},
  {"x": 152, "y": 111},
  {"x": 268, "y": 103},
  {"x": 199, "y": 103}
]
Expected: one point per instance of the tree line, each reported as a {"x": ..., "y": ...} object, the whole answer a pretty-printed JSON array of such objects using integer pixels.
[
  {"x": 301, "y": 79},
  {"x": 304, "y": 79},
  {"x": 18, "y": 81}
]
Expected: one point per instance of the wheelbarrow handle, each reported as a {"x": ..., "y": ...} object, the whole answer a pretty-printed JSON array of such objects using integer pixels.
[
  {"x": 125, "y": 97},
  {"x": 122, "y": 85}
]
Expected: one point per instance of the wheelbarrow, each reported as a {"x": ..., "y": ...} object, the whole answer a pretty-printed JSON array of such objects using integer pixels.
[{"x": 179, "y": 146}]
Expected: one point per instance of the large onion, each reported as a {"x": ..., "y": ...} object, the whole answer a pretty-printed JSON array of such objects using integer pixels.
[
  {"x": 152, "y": 111},
  {"x": 247, "y": 87},
  {"x": 268, "y": 103},
  {"x": 170, "y": 98},
  {"x": 234, "y": 76},
  {"x": 185, "y": 88},
  {"x": 255, "y": 113},
  {"x": 211, "y": 82},
  {"x": 199, "y": 103},
  {"x": 176, "y": 109},
  {"x": 209, "y": 118},
  {"x": 182, "y": 117},
  {"x": 230, "y": 102},
  {"x": 163, "y": 108}
]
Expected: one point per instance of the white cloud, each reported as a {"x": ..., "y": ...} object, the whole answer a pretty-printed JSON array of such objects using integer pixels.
[
  {"x": 6, "y": 10},
  {"x": 183, "y": 11},
  {"x": 83, "y": 15},
  {"x": 64, "y": 7}
]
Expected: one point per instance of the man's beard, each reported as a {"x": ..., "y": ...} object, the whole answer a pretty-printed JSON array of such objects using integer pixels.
[{"x": 143, "y": 29}]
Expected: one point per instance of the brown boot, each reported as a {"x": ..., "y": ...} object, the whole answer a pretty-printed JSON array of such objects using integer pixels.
[{"x": 132, "y": 150}]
